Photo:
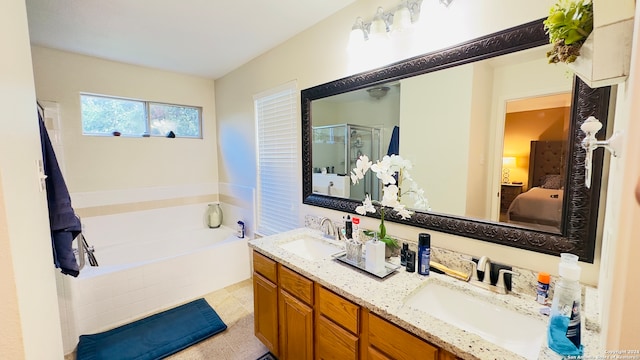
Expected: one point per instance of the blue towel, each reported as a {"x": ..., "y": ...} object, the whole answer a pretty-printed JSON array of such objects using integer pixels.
[
  {"x": 557, "y": 338},
  {"x": 64, "y": 223},
  {"x": 394, "y": 144}
]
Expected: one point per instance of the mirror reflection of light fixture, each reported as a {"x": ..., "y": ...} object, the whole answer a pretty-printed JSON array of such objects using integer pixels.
[
  {"x": 405, "y": 15},
  {"x": 507, "y": 163},
  {"x": 378, "y": 92},
  {"x": 446, "y": 2},
  {"x": 614, "y": 144}
]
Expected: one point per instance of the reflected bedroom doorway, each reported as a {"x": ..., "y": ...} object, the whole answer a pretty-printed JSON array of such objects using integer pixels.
[{"x": 536, "y": 133}]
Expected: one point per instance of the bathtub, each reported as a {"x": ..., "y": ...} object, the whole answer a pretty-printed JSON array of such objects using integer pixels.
[{"x": 147, "y": 266}]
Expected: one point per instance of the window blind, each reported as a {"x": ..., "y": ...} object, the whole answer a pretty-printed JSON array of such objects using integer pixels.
[{"x": 278, "y": 178}]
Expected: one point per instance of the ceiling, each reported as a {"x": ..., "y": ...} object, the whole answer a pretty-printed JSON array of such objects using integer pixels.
[{"x": 201, "y": 37}]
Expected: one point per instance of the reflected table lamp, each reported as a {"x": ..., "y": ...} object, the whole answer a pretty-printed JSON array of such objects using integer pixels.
[{"x": 507, "y": 163}]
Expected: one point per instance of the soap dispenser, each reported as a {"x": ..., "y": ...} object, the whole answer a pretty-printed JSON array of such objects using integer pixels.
[
  {"x": 374, "y": 256},
  {"x": 565, "y": 322}
]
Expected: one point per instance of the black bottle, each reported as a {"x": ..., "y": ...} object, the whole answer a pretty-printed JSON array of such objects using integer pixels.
[
  {"x": 424, "y": 253},
  {"x": 348, "y": 228},
  {"x": 403, "y": 254},
  {"x": 411, "y": 261}
]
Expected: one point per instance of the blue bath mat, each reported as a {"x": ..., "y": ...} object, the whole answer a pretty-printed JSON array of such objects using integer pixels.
[{"x": 154, "y": 337}]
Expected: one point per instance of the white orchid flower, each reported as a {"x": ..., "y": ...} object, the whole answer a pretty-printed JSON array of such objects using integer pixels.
[
  {"x": 402, "y": 211},
  {"x": 386, "y": 178},
  {"x": 387, "y": 169},
  {"x": 362, "y": 166},
  {"x": 367, "y": 206},
  {"x": 390, "y": 196}
]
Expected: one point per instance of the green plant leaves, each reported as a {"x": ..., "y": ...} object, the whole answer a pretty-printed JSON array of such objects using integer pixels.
[{"x": 568, "y": 25}]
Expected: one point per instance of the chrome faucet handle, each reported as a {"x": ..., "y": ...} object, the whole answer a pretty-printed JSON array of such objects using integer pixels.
[
  {"x": 474, "y": 268},
  {"x": 341, "y": 233},
  {"x": 501, "y": 282}
]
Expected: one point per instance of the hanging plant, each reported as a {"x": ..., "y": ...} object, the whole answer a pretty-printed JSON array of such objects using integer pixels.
[{"x": 568, "y": 26}]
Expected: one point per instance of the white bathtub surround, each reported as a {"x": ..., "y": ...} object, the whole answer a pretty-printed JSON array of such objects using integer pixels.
[
  {"x": 133, "y": 195},
  {"x": 149, "y": 261}
]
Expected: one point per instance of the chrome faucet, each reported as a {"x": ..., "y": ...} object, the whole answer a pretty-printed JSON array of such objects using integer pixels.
[
  {"x": 332, "y": 232},
  {"x": 484, "y": 265}
]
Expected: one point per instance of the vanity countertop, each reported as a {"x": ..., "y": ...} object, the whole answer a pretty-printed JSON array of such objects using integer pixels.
[{"x": 385, "y": 297}]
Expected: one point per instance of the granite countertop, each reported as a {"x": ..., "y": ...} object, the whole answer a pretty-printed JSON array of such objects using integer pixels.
[{"x": 386, "y": 297}]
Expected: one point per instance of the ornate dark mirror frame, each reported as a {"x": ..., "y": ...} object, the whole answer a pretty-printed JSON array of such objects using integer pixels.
[{"x": 580, "y": 208}]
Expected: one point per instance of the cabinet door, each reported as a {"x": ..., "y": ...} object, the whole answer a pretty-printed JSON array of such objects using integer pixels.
[
  {"x": 265, "y": 307},
  {"x": 296, "y": 329},
  {"x": 334, "y": 342},
  {"x": 373, "y": 354},
  {"x": 397, "y": 343}
]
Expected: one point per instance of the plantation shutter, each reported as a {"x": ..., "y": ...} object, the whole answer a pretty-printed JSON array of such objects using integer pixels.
[{"x": 278, "y": 178}]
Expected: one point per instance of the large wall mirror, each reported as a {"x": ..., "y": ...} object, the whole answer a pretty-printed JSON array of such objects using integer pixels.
[{"x": 491, "y": 129}]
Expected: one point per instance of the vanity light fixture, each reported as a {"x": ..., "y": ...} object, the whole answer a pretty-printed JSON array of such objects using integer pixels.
[
  {"x": 614, "y": 144},
  {"x": 446, "y": 2},
  {"x": 383, "y": 23}
]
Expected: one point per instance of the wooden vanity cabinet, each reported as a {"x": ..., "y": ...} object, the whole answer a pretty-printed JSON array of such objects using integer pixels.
[
  {"x": 265, "y": 301},
  {"x": 298, "y": 319},
  {"x": 296, "y": 315}
]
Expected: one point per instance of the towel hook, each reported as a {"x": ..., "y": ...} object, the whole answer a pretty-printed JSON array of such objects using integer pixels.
[{"x": 614, "y": 144}]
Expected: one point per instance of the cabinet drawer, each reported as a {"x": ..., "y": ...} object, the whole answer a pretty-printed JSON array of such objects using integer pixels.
[
  {"x": 339, "y": 310},
  {"x": 265, "y": 266},
  {"x": 296, "y": 284},
  {"x": 397, "y": 343},
  {"x": 335, "y": 342}
]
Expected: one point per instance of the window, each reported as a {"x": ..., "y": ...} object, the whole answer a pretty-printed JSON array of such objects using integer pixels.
[
  {"x": 277, "y": 144},
  {"x": 102, "y": 115}
]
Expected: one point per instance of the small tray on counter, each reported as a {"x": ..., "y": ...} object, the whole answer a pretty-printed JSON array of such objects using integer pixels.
[{"x": 389, "y": 268}]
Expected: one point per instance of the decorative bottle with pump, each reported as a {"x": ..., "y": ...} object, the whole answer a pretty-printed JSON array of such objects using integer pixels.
[{"x": 564, "y": 326}]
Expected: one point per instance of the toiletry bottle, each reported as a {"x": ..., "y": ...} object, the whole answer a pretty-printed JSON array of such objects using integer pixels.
[
  {"x": 403, "y": 254},
  {"x": 240, "y": 229},
  {"x": 564, "y": 326},
  {"x": 411, "y": 261},
  {"x": 355, "y": 228},
  {"x": 542, "y": 289},
  {"x": 348, "y": 227},
  {"x": 424, "y": 253},
  {"x": 374, "y": 257}
]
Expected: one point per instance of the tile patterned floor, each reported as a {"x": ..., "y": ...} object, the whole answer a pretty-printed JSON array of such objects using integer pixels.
[{"x": 234, "y": 304}]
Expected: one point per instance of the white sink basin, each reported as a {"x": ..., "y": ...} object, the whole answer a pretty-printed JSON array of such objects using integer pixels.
[
  {"x": 519, "y": 333},
  {"x": 311, "y": 248}
]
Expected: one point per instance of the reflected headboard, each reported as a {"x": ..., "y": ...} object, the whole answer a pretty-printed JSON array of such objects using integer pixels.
[{"x": 546, "y": 158}]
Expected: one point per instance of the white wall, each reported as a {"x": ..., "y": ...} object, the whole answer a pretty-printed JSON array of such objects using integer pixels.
[
  {"x": 435, "y": 135},
  {"x": 620, "y": 274},
  {"x": 478, "y": 178},
  {"x": 113, "y": 163},
  {"x": 29, "y": 309}
]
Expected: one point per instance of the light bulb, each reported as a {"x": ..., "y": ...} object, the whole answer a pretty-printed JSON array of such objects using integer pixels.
[
  {"x": 401, "y": 18},
  {"x": 378, "y": 25}
]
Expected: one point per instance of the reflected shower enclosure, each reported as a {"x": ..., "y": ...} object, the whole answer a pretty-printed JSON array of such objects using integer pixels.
[{"x": 336, "y": 148}]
